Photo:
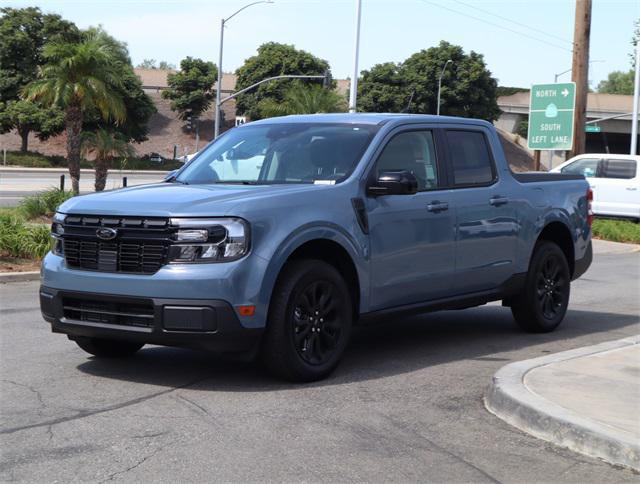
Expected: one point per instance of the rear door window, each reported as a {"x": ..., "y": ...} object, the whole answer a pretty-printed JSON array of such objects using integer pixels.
[
  {"x": 587, "y": 167},
  {"x": 471, "y": 159},
  {"x": 622, "y": 169}
]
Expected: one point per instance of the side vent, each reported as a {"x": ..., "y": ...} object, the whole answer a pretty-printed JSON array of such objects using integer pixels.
[{"x": 361, "y": 214}]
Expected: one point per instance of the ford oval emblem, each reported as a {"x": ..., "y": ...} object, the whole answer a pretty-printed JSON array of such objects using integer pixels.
[{"x": 105, "y": 233}]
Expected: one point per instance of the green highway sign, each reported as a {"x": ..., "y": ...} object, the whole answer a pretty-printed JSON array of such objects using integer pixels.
[
  {"x": 551, "y": 110},
  {"x": 592, "y": 128}
]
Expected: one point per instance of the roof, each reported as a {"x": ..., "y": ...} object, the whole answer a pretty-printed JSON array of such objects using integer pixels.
[
  {"x": 368, "y": 118},
  {"x": 157, "y": 79}
]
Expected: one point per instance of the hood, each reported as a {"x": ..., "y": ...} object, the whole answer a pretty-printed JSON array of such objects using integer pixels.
[{"x": 171, "y": 199}]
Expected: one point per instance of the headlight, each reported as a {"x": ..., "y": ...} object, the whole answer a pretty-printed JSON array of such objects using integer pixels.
[
  {"x": 209, "y": 240},
  {"x": 57, "y": 229}
]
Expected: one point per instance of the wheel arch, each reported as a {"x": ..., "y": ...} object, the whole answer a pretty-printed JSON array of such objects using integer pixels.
[
  {"x": 558, "y": 233},
  {"x": 328, "y": 245}
]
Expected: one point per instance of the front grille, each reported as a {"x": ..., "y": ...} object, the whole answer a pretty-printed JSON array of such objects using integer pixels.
[
  {"x": 141, "y": 244},
  {"x": 139, "y": 313}
]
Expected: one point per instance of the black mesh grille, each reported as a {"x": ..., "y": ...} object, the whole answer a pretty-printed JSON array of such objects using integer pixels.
[
  {"x": 139, "y": 313},
  {"x": 140, "y": 245}
]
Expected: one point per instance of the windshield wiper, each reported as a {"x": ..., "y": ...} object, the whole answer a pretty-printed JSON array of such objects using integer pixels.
[{"x": 238, "y": 182}]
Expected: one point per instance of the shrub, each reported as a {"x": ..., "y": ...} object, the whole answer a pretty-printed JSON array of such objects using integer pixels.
[
  {"x": 44, "y": 203},
  {"x": 616, "y": 230},
  {"x": 21, "y": 239}
]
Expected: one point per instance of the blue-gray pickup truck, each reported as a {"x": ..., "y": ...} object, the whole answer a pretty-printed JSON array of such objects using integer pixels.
[{"x": 283, "y": 233}]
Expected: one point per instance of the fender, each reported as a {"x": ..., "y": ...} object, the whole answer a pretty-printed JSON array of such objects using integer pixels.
[{"x": 357, "y": 250}]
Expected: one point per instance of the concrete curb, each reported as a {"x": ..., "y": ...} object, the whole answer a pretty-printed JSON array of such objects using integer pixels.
[
  {"x": 509, "y": 399},
  {"x": 19, "y": 276},
  {"x": 65, "y": 171}
]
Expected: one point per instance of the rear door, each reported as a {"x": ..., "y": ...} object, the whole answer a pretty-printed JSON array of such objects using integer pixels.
[
  {"x": 618, "y": 187},
  {"x": 486, "y": 223},
  {"x": 412, "y": 236}
]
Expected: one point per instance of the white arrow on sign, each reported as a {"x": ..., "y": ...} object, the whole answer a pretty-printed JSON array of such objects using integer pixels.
[{"x": 565, "y": 92}]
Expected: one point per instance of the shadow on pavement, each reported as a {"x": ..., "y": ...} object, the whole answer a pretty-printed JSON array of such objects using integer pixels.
[{"x": 390, "y": 348}]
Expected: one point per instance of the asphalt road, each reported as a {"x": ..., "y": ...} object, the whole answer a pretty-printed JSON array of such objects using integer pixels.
[
  {"x": 405, "y": 405},
  {"x": 15, "y": 185}
]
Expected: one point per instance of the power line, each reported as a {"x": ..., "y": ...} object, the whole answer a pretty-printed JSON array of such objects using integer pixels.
[
  {"x": 513, "y": 21},
  {"x": 522, "y": 34}
]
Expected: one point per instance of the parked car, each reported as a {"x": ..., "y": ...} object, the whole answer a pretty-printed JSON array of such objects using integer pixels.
[
  {"x": 156, "y": 158},
  {"x": 614, "y": 179},
  {"x": 327, "y": 220}
]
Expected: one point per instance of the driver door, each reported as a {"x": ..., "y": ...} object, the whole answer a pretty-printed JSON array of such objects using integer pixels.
[{"x": 411, "y": 236}]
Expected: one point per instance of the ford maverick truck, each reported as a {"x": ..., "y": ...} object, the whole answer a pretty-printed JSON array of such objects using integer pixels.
[{"x": 283, "y": 233}]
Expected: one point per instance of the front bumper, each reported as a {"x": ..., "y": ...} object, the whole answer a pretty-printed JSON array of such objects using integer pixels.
[{"x": 207, "y": 324}]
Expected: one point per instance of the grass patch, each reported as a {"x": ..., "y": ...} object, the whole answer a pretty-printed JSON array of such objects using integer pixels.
[
  {"x": 43, "y": 204},
  {"x": 20, "y": 239},
  {"x": 616, "y": 230}
]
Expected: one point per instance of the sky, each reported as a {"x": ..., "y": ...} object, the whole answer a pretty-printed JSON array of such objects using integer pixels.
[{"x": 524, "y": 42}]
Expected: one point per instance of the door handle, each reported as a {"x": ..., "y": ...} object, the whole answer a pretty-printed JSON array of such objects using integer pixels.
[
  {"x": 437, "y": 206},
  {"x": 632, "y": 188},
  {"x": 495, "y": 201}
]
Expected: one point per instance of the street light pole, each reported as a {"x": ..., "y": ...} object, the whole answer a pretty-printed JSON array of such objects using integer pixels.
[
  {"x": 219, "y": 84},
  {"x": 353, "y": 90},
  {"x": 440, "y": 84}
]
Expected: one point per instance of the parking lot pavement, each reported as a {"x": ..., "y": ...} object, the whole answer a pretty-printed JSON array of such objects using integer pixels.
[{"x": 405, "y": 404}]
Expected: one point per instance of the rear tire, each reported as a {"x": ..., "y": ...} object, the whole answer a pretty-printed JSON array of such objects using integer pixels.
[
  {"x": 542, "y": 304},
  {"x": 309, "y": 322},
  {"x": 108, "y": 348}
]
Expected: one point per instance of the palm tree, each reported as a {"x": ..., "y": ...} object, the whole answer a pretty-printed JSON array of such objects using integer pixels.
[
  {"x": 79, "y": 77},
  {"x": 106, "y": 146},
  {"x": 303, "y": 99}
]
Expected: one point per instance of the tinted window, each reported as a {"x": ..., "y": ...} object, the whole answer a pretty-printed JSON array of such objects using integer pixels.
[
  {"x": 619, "y": 169},
  {"x": 587, "y": 167},
  {"x": 281, "y": 153},
  {"x": 415, "y": 152},
  {"x": 470, "y": 157}
]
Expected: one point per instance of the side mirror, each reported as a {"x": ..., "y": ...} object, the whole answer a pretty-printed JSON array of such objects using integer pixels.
[
  {"x": 394, "y": 183},
  {"x": 170, "y": 176}
]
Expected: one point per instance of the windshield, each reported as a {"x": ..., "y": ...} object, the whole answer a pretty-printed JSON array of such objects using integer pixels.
[{"x": 281, "y": 153}]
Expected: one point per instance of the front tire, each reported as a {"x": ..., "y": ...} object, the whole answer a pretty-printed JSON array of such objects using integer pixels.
[
  {"x": 309, "y": 322},
  {"x": 108, "y": 348},
  {"x": 542, "y": 304}
]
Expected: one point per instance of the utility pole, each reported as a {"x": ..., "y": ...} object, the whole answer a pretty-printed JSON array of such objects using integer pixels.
[
  {"x": 353, "y": 90},
  {"x": 580, "y": 72}
]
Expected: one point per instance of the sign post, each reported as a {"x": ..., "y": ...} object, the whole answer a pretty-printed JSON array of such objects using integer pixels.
[{"x": 551, "y": 112}]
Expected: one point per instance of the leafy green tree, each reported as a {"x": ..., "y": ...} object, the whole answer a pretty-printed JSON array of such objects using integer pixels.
[
  {"x": 26, "y": 116},
  {"x": 273, "y": 59},
  {"x": 468, "y": 89},
  {"x": 617, "y": 82},
  {"x": 106, "y": 146},
  {"x": 138, "y": 105},
  {"x": 78, "y": 78},
  {"x": 191, "y": 89},
  {"x": 508, "y": 91},
  {"x": 164, "y": 65},
  {"x": 383, "y": 89},
  {"x": 23, "y": 33},
  {"x": 147, "y": 64},
  {"x": 303, "y": 99}
]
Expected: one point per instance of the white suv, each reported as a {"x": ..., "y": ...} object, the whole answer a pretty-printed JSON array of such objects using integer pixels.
[{"x": 614, "y": 179}]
